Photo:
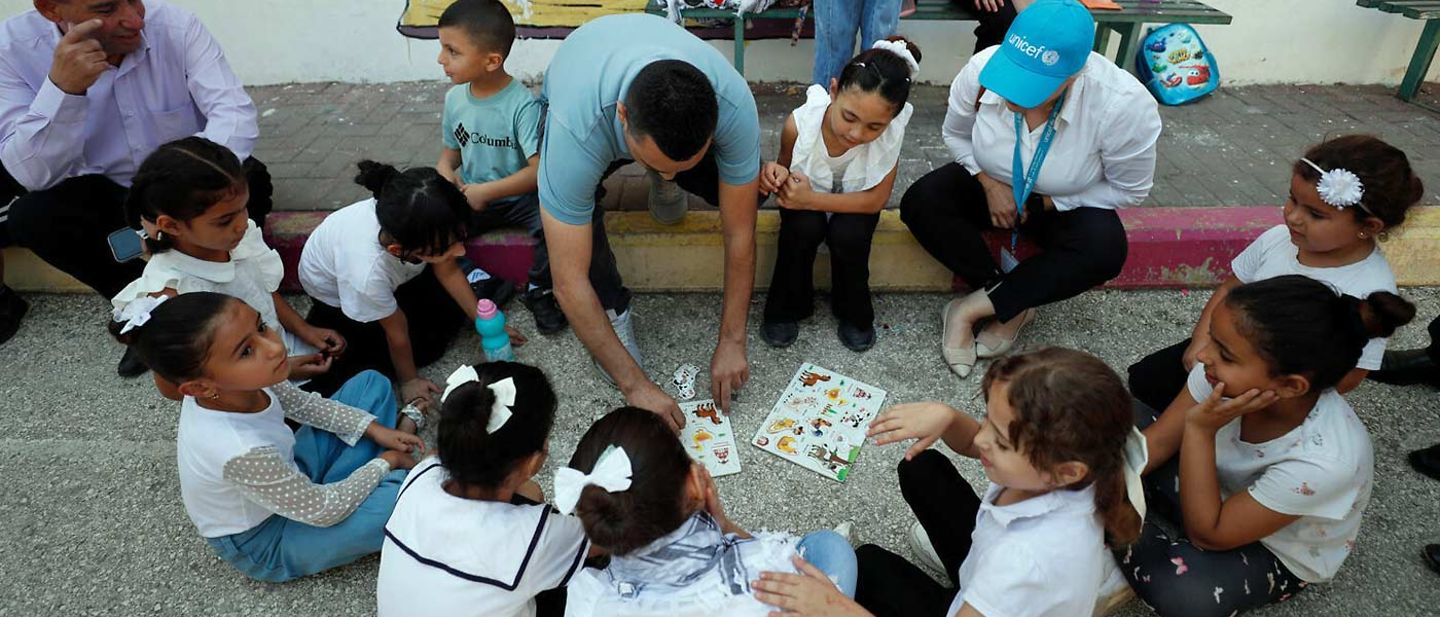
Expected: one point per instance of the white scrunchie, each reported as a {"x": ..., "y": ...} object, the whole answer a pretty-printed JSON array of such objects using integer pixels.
[
  {"x": 899, "y": 48},
  {"x": 504, "y": 391},
  {"x": 137, "y": 312},
  {"x": 1339, "y": 187},
  {"x": 612, "y": 473}
]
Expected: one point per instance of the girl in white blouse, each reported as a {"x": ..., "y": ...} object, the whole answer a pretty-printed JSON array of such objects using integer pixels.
[
  {"x": 192, "y": 194},
  {"x": 1259, "y": 460},
  {"x": 273, "y": 503},
  {"x": 1083, "y": 132},
  {"x": 839, "y": 153}
]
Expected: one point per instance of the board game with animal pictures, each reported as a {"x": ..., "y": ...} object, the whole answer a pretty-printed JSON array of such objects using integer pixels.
[
  {"x": 708, "y": 438},
  {"x": 820, "y": 421}
]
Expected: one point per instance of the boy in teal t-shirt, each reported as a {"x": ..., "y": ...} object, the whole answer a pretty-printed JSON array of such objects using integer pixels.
[{"x": 491, "y": 135}]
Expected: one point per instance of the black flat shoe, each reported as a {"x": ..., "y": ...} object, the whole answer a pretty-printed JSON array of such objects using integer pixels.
[
  {"x": 549, "y": 319},
  {"x": 780, "y": 333},
  {"x": 1404, "y": 367},
  {"x": 855, "y": 338},
  {"x": 130, "y": 364},
  {"x": 1427, "y": 461},
  {"x": 12, "y": 310},
  {"x": 1431, "y": 554}
]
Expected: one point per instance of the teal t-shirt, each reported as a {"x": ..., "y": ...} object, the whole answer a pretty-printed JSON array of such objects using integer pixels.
[
  {"x": 591, "y": 72},
  {"x": 496, "y": 135}
]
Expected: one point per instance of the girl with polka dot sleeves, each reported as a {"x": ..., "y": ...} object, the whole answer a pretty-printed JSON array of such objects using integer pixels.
[
  {"x": 1259, "y": 460},
  {"x": 274, "y": 504}
]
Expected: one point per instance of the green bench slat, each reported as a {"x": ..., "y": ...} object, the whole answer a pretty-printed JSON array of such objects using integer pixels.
[
  {"x": 1414, "y": 10},
  {"x": 1429, "y": 12}
]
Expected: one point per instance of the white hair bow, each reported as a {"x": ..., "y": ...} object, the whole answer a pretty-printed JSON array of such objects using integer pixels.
[
  {"x": 1339, "y": 187},
  {"x": 1137, "y": 455},
  {"x": 137, "y": 312},
  {"x": 899, "y": 48},
  {"x": 504, "y": 391},
  {"x": 612, "y": 473}
]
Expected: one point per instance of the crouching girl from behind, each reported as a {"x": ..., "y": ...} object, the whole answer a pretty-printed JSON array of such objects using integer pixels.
[
  {"x": 657, "y": 513},
  {"x": 1059, "y": 450},
  {"x": 1261, "y": 460},
  {"x": 470, "y": 534},
  {"x": 274, "y": 504}
]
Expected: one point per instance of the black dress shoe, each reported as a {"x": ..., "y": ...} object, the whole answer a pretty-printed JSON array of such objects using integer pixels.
[
  {"x": 1404, "y": 367},
  {"x": 780, "y": 334},
  {"x": 1432, "y": 556},
  {"x": 494, "y": 289},
  {"x": 12, "y": 310},
  {"x": 130, "y": 364},
  {"x": 549, "y": 319},
  {"x": 854, "y": 337},
  {"x": 1427, "y": 461}
]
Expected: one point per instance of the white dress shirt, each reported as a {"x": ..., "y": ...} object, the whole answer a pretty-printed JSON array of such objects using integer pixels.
[
  {"x": 1103, "y": 155},
  {"x": 176, "y": 85}
]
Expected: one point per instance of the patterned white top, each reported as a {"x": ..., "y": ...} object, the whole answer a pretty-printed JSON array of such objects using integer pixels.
[{"x": 238, "y": 469}]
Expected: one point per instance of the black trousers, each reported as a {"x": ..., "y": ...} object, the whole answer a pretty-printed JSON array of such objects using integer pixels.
[
  {"x": 946, "y": 506},
  {"x": 993, "y": 26},
  {"x": 1177, "y": 578},
  {"x": 67, "y": 225},
  {"x": 525, "y": 214},
  {"x": 792, "y": 288},
  {"x": 431, "y": 314},
  {"x": 1159, "y": 377},
  {"x": 946, "y": 210}
]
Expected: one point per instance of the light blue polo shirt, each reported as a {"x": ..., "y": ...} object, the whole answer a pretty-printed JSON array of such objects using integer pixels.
[{"x": 591, "y": 72}]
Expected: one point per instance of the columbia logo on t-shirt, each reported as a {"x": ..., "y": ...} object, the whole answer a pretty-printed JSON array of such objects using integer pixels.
[{"x": 465, "y": 138}]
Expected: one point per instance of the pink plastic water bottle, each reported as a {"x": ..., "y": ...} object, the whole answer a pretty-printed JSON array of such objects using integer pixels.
[{"x": 490, "y": 323}]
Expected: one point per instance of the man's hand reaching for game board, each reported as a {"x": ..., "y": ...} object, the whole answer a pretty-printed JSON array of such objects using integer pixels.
[{"x": 728, "y": 373}]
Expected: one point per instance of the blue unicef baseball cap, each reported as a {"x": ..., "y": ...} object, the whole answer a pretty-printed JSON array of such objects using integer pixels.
[{"x": 1046, "y": 44}]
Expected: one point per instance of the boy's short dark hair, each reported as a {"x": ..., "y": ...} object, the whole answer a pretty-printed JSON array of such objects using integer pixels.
[
  {"x": 674, "y": 104},
  {"x": 487, "y": 22}
]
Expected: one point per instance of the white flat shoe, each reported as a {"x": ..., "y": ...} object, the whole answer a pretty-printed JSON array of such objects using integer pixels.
[
  {"x": 924, "y": 550},
  {"x": 984, "y": 351},
  {"x": 961, "y": 360}
]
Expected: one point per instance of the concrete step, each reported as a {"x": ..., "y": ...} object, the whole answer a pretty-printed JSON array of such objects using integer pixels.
[{"x": 1169, "y": 247}]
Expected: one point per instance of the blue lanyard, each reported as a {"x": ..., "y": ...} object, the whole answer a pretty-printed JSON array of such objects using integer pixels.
[{"x": 1023, "y": 188}]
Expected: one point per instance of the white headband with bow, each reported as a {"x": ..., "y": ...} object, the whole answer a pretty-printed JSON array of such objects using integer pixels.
[
  {"x": 504, "y": 391},
  {"x": 137, "y": 312},
  {"x": 899, "y": 48},
  {"x": 1339, "y": 187},
  {"x": 612, "y": 473}
]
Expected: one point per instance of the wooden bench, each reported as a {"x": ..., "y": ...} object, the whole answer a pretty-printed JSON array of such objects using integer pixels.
[
  {"x": 1128, "y": 22},
  {"x": 1429, "y": 12}
]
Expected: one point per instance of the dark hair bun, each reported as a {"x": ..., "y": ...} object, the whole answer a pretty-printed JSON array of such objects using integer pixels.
[
  {"x": 1384, "y": 312},
  {"x": 374, "y": 176},
  {"x": 654, "y": 505}
]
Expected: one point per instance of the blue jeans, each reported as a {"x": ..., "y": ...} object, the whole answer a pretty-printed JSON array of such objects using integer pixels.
[
  {"x": 834, "y": 556},
  {"x": 280, "y": 549},
  {"x": 836, "y": 24}
]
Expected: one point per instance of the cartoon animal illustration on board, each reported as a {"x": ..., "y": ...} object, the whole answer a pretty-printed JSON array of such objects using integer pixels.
[
  {"x": 821, "y": 432},
  {"x": 818, "y": 426},
  {"x": 707, "y": 411},
  {"x": 809, "y": 379},
  {"x": 712, "y": 443},
  {"x": 786, "y": 445}
]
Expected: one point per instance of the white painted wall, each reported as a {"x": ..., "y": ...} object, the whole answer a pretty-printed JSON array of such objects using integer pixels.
[{"x": 1271, "y": 41}]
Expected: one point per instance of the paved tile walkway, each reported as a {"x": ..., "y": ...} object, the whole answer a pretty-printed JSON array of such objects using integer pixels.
[{"x": 1232, "y": 148}]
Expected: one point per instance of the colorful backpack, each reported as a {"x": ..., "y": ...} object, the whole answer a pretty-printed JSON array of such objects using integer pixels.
[{"x": 1175, "y": 65}]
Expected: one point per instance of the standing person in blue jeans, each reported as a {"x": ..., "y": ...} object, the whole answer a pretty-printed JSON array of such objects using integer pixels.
[{"x": 838, "y": 21}]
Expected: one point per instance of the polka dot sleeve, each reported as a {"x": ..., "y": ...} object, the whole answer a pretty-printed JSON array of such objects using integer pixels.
[
  {"x": 274, "y": 483},
  {"x": 348, "y": 423}
]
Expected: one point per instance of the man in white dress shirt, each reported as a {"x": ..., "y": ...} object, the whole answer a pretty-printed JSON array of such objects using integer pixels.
[{"x": 88, "y": 89}]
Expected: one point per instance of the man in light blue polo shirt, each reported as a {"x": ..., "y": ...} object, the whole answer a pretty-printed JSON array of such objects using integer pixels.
[{"x": 639, "y": 88}]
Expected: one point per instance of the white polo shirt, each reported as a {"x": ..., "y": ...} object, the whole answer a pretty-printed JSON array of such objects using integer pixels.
[
  {"x": 1042, "y": 557},
  {"x": 444, "y": 555},
  {"x": 1103, "y": 155}
]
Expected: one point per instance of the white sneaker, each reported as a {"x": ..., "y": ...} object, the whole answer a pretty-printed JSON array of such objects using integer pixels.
[
  {"x": 1115, "y": 592},
  {"x": 921, "y": 546},
  {"x": 667, "y": 200},
  {"x": 625, "y": 330}
]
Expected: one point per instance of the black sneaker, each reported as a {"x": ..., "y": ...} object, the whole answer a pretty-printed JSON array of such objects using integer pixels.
[
  {"x": 495, "y": 289},
  {"x": 855, "y": 338},
  {"x": 12, "y": 310},
  {"x": 549, "y": 319},
  {"x": 130, "y": 364},
  {"x": 780, "y": 334}
]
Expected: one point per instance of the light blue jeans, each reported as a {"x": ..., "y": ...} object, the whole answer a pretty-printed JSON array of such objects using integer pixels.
[
  {"x": 280, "y": 549},
  {"x": 836, "y": 24},
  {"x": 833, "y": 555}
]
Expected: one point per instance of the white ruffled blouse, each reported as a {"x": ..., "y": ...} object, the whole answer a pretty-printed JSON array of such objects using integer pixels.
[{"x": 859, "y": 168}]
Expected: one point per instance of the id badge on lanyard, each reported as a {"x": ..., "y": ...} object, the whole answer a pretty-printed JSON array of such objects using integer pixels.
[{"x": 1022, "y": 181}]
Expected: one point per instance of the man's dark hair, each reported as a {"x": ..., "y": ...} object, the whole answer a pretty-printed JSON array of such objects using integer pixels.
[
  {"x": 487, "y": 22},
  {"x": 672, "y": 102}
]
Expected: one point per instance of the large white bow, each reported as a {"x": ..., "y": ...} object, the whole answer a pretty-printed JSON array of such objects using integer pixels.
[
  {"x": 612, "y": 473},
  {"x": 137, "y": 312},
  {"x": 504, "y": 391},
  {"x": 1137, "y": 455},
  {"x": 463, "y": 375}
]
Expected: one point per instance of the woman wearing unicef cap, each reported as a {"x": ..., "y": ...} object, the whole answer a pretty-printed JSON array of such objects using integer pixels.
[{"x": 1049, "y": 139}]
